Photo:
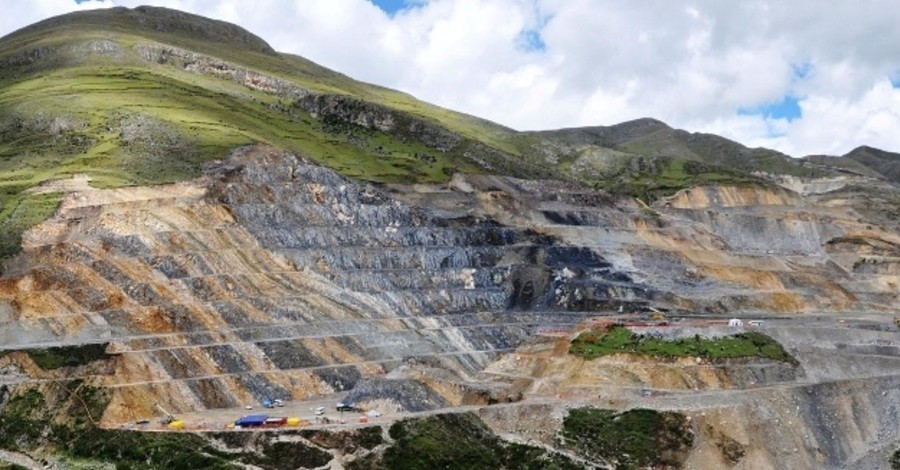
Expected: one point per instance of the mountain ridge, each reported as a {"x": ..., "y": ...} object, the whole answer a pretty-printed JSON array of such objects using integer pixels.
[{"x": 177, "y": 27}]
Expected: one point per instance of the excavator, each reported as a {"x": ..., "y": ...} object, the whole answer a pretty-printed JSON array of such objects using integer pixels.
[{"x": 167, "y": 417}]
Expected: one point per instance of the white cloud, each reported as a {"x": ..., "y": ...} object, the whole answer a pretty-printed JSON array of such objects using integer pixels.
[{"x": 604, "y": 61}]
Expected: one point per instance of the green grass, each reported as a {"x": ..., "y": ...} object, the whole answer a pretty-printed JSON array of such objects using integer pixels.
[
  {"x": 618, "y": 340},
  {"x": 61, "y": 417},
  {"x": 290, "y": 455},
  {"x": 129, "y": 125},
  {"x": 634, "y": 439}
]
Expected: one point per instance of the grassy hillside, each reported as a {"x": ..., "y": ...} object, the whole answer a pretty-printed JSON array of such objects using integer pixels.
[
  {"x": 126, "y": 125},
  {"x": 655, "y": 139},
  {"x": 879, "y": 162}
]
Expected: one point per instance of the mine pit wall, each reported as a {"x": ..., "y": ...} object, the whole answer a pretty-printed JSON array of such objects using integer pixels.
[
  {"x": 818, "y": 272},
  {"x": 284, "y": 280},
  {"x": 830, "y": 426},
  {"x": 840, "y": 353},
  {"x": 837, "y": 425},
  {"x": 272, "y": 277},
  {"x": 715, "y": 249}
]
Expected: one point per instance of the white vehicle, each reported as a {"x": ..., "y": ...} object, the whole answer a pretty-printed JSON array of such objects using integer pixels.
[
  {"x": 320, "y": 410},
  {"x": 373, "y": 413},
  {"x": 248, "y": 407}
]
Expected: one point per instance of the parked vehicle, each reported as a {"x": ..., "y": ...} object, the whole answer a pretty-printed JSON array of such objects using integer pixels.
[
  {"x": 251, "y": 421},
  {"x": 275, "y": 422},
  {"x": 346, "y": 407}
]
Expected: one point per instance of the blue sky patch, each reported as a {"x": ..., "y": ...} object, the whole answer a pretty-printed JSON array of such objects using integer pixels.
[
  {"x": 787, "y": 108},
  {"x": 531, "y": 40},
  {"x": 895, "y": 79},
  {"x": 391, "y": 6}
]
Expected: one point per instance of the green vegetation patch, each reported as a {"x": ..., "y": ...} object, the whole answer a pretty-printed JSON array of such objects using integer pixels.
[
  {"x": 618, "y": 339},
  {"x": 23, "y": 420},
  {"x": 68, "y": 356},
  {"x": 634, "y": 439},
  {"x": 65, "y": 356},
  {"x": 131, "y": 125},
  {"x": 895, "y": 460},
  {"x": 64, "y": 415},
  {"x": 288, "y": 456},
  {"x": 11, "y": 466},
  {"x": 662, "y": 177},
  {"x": 19, "y": 212},
  {"x": 347, "y": 441},
  {"x": 61, "y": 417},
  {"x": 458, "y": 441}
]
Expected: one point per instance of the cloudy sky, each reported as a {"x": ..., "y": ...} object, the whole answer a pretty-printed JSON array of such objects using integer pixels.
[{"x": 801, "y": 76}]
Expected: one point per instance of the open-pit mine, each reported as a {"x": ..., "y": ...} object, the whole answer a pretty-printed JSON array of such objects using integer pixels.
[{"x": 273, "y": 299}]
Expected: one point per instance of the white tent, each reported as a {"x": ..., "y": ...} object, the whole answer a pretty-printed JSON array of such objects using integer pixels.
[{"x": 736, "y": 322}]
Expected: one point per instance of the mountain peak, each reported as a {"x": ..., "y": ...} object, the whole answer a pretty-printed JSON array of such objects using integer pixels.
[
  {"x": 874, "y": 152},
  {"x": 645, "y": 122},
  {"x": 156, "y": 20}
]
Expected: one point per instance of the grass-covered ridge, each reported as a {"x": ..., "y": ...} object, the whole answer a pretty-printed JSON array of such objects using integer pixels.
[
  {"x": 84, "y": 94},
  {"x": 132, "y": 126},
  {"x": 620, "y": 340},
  {"x": 630, "y": 440}
]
